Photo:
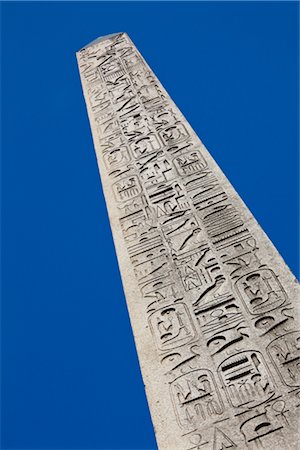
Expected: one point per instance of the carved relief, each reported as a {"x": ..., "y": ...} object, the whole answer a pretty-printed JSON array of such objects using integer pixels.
[
  {"x": 154, "y": 169},
  {"x": 127, "y": 188},
  {"x": 172, "y": 326},
  {"x": 144, "y": 145},
  {"x": 262, "y": 424},
  {"x": 206, "y": 192},
  {"x": 222, "y": 441},
  {"x": 222, "y": 323},
  {"x": 285, "y": 354},
  {"x": 174, "y": 134},
  {"x": 182, "y": 233},
  {"x": 197, "y": 268},
  {"x": 189, "y": 163},
  {"x": 117, "y": 157},
  {"x": 205, "y": 286},
  {"x": 261, "y": 291},
  {"x": 196, "y": 398},
  {"x": 246, "y": 379}
]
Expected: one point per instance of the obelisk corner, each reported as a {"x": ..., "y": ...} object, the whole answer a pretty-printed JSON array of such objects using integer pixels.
[{"x": 101, "y": 39}]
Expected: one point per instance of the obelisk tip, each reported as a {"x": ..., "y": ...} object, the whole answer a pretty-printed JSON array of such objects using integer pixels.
[{"x": 101, "y": 39}]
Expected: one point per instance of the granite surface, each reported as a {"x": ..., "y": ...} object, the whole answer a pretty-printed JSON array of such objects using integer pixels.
[{"x": 214, "y": 309}]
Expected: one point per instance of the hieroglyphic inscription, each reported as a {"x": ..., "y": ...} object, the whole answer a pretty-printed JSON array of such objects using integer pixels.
[{"x": 217, "y": 304}]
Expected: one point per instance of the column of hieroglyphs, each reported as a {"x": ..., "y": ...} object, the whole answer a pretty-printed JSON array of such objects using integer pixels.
[{"x": 211, "y": 302}]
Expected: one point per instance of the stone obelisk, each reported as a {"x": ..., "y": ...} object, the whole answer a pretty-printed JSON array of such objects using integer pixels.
[{"x": 213, "y": 307}]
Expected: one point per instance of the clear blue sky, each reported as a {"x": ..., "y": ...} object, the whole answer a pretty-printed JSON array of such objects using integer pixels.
[{"x": 70, "y": 377}]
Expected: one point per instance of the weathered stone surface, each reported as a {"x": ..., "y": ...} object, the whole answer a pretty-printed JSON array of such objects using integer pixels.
[{"x": 212, "y": 304}]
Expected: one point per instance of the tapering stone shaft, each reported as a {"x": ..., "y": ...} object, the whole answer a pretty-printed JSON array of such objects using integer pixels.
[{"x": 212, "y": 304}]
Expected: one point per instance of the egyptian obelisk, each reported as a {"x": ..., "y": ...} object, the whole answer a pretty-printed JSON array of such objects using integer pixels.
[{"x": 214, "y": 309}]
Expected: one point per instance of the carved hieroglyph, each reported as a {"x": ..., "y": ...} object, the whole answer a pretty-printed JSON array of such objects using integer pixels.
[{"x": 212, "y": 304}]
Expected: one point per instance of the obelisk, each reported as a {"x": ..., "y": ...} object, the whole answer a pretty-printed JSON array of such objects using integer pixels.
[{"x": 214, "y": 309}]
